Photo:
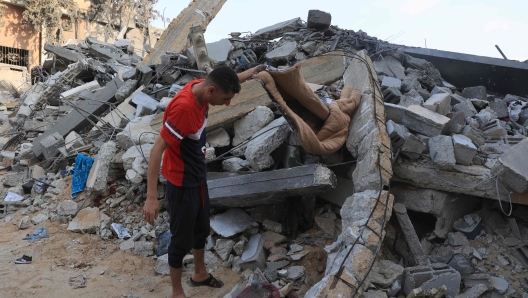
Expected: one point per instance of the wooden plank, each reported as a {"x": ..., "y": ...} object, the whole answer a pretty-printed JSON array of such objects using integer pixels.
[
  {"x": 174, "y": 38},
  {"x": 270, "y": 187}
]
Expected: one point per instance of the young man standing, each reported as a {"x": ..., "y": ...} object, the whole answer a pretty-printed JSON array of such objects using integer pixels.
[{"x": 182, "y": 139}]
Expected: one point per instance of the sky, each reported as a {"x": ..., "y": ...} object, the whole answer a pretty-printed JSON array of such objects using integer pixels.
[{"x": 464, "y": 26}]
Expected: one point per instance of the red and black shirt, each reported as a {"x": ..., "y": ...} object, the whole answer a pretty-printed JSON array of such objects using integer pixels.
[{"x": 183, "y": 129}]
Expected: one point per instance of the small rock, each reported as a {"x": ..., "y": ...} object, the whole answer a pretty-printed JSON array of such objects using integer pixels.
[
  {"x": 295, "y": 272},
  {"x": 271, "y": 275},
  {"x": 25, "y": 223},
  {"x": 502, "y": 260},
  {"x": 224, "y": 247},
  {"x": 239, "y": 247},
  {"x": 144, "y": 248},
  {"x": 39, "y": 218},
  {"x": 162, "y": 265},
  {"x": 295, "y": 248},
  {"x": 273, "y": 226},
  {"x": 512, "y": 241},
  {"x": 457, "y": 239},
  {"x": 188, "y": 259}
]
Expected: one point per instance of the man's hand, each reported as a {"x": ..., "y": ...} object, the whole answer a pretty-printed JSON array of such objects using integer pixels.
[{"x": 151, "y": 209}]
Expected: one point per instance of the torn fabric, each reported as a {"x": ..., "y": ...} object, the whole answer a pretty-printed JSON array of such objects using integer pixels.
[{"x": 83, "y": 164}]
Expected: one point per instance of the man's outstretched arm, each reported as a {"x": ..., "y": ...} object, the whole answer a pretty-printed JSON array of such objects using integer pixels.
[
  {"x": 248, "y": 74},
  {"x": 151, "y": 207}
]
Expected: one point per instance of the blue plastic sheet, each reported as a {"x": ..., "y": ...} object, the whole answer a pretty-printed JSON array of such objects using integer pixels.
[
  {"x": 83, "y": 164},
  {"x": 37, "y": 235}
]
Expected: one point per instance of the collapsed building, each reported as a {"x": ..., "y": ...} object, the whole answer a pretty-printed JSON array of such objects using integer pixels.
[{"x": 413, "y": 182}]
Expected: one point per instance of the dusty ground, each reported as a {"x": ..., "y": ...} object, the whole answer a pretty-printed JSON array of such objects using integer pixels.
[{"x": 65, "y": 254}]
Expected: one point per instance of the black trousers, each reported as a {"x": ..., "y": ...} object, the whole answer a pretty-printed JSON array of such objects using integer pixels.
[{"x": 189, "y": 220}]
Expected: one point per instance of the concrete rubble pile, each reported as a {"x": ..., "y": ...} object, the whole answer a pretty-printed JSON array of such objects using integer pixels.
[{"x": 319, "y": 225}]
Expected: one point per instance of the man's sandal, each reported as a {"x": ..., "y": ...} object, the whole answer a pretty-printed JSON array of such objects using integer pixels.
[{"x": 210, "y": 282}]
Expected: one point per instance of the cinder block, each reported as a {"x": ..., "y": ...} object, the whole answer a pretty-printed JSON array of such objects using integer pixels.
[
  {"x": 494, "y": 128},
  {"x": 409, "y": 144},
  {"x": 465, "y": 150},
  {"x": 432, "y": 278},
  {"x": 474, "y": 134}
]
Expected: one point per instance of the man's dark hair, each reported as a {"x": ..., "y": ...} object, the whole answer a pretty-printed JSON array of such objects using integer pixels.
[{"x": 225, "y": 78}]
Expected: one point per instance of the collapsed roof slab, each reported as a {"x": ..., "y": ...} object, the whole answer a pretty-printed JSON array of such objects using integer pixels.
[
  {"x": 470, "y": 180},
  {"x": 174, "y": 38},
  {"x": 464, "y": 70},
  {"x": 268, "y": 187}
]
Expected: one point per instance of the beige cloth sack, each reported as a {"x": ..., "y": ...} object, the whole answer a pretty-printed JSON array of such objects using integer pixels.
[{"x": 322, "y": 128}]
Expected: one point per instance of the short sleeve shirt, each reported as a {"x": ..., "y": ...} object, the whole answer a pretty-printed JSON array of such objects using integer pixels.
[{"x": 183, "y": 130}]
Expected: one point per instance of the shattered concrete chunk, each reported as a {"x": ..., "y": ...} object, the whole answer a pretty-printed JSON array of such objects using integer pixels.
[
  {"x": 88, "y": 220},
  {"x": 442, "y": 151},
  {"x": 231, "y": 222},
  {"x": 254, "y": 256},
  {"x": 440, "y": 103},
  {"x": 478, "y": 92},
  {"x": 218, "y": 138},
  {"x": 73, "y": 140},
  {"x": 286, "y": 51},
  {"x": 266, "y": 140},
  {"x": 126, "y": 90},
  {"x": 224, "y": 247},
  {"x": 98, "y": 178},
  {"x": 417, "y": 118},
  {"x": 235, "y": 164},
  {"x": 389, "y": 82},
  {"x": 251, "y": 123},
  {"x": 51, "y": 144},
  {"x": 318, "y": 19},
  {"x": 515, "y": 167},
  {"x": 277, "y": 30},
  {"x": 144, "y": 248},
  {"x": 465, "y": 107},
  {"x": 385, "y": 273},
  {"x": 162, "y": 265},
  {"x": 465, "y": 150}
]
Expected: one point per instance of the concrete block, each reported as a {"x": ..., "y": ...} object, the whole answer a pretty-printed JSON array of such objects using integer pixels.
[
  {"x": 145, "y": 75},
  {"x": 218, "y": 138},
  {"x": 416, "y": 118},
  {"x": 251, "y": 123},
  {"x": 440, "y": 103},
  {"x": 51, "y": 144},
  {"x": 388, "y": 82},
  {"x": 515, "y": 163},
  {"x": 456, "y": 99},
  {"x": 392, "y": 95},
  {"x": 474, "y": 134},
  {"x": 137, "y": 131},
  {"x": 411, "y": 98},
  {"x": 318, "y": 19},
  {"x": 126, "y": 90},
  {"x": 478, "y": 92},
  {"x": 88, "y": 220},
  {"x": 500, "y": 107},
  {"x": 430, "y": 278},
  {"x": 254, "y": 255},
  {"x": 285, "y": 51},
  {"x": 442, "y": 151},
  {"x": 494, "y": 128},
  {"x": 144, "y": 248},
  {"x": 465, "y": 150},
  {"x": 465, "y": 107},
  {"x": 264, "y": 141}
]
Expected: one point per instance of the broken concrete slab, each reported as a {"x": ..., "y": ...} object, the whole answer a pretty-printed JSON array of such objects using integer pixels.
[
  {"x": 268, "y": 187},
  {"x": 174, "y": 38},
  {"x": 264, "y": 142},
  {"x": 94, "y": 105},
  {"x": 442, "y": 151},
  {"x": 416, "y": 249},
  {"x": 72, "y": 93},
  {"x": 389, "y": 82},
  {"x": 217, "y": 51},
  {"x": 254, "y": 255},
  {"x": 445, "y": 207},
  {"x": 63, "y": 52},
  {"x": 440, "y": 103},
  {"x": 286, "y": 51},
  {"x": 50, "y": 145},
  {"x": 417, "y": 118},
  {"x": 390, "y": 66},
  {"x": 464, "y": 148},
  {"x": 138, "y": 131},
  {"x": 277, "y": 30},
  {"x": 88, "y": 220},
  {"x": 73, "y": 140},
  {"x": 231, "y": 222},
  {"x": 515, "y": 167}
]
